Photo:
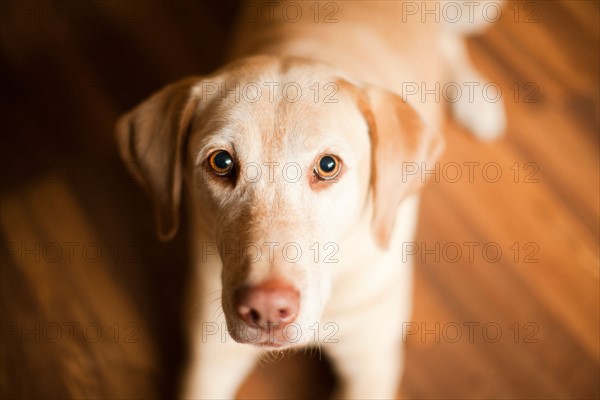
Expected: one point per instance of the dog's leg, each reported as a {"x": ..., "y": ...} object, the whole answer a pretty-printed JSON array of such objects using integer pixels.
[
  {"x": 217, "y": 368},
  {"x": 475, "y": 102},
  {"x": 217, "y": 364},
  {"x": 379, "y": 376},
  {"x": 369, "y": 365},
  {"x": 368, "y": 354}
]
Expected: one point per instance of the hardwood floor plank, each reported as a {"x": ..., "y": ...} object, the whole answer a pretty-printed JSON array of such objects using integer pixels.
[{"x": 72, "y": 290}]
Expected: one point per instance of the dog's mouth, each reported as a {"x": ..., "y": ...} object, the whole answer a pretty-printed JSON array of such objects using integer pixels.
[
  {"x": 273, "y": 344},
  {"x": 275, "y": 336}
]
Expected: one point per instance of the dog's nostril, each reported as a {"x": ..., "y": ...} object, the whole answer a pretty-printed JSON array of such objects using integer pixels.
[
  {"x": 254, "y": 316},
  {"x": 249, "y": 315}
]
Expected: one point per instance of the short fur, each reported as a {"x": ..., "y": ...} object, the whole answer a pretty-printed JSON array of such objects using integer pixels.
[{"x": 363, "y": 292}]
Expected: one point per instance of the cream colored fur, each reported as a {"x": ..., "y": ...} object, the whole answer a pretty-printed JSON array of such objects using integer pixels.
[{"x": 355, "y": 301}]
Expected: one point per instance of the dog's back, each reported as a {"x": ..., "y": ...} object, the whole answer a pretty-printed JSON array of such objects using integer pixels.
[{"x": 382, "y": 42}]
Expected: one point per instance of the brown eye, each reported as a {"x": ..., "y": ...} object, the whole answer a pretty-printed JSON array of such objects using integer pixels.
[
  {"x": 221, "y": 162},
  {"x": 328, "y": 167}
]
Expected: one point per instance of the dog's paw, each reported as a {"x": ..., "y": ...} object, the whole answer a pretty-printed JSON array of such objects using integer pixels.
[{"x": 481, "y": 111}]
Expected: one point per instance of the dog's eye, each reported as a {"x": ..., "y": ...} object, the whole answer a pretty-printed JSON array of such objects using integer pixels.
[
  {"x": 328, "y": 167},
  {"x": 221, "y": 162}
]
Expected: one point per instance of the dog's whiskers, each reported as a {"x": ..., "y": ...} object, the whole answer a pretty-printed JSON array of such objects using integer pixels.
[
  {"x": 218, "y": 314},
  {"x": 218, "y": 311},
  {"x": 215, "y": 300}
]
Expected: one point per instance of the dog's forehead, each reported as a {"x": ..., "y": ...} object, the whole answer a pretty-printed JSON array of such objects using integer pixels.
[{"x": 283, "y": 110}]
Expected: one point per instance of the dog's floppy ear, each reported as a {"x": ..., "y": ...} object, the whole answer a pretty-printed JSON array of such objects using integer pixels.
[
  {"x": 400, "y": 143},
  {"x": 150, "y": 139}
]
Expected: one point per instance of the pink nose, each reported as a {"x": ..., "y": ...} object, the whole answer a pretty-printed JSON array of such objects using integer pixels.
[{"x": 269, "y": 304}]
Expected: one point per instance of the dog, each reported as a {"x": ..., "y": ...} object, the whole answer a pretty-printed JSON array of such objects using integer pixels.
[{"x": 295, "y": 160}]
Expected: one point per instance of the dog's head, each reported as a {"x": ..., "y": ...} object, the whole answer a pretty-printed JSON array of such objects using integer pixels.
[{"x": 282, "y": 159}]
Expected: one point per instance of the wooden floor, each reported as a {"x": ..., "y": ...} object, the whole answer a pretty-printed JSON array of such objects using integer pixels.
[{"x": 91, "y": 303}]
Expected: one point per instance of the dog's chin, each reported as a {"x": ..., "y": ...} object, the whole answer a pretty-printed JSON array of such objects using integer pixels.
[
  {"x": 270, "y": 345},
  {"x": 266, "y": 340},
  {"x": 273, "y": 345}
]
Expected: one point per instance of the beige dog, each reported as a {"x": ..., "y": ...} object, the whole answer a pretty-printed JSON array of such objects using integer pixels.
[{"x": 298, "y": 160}]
